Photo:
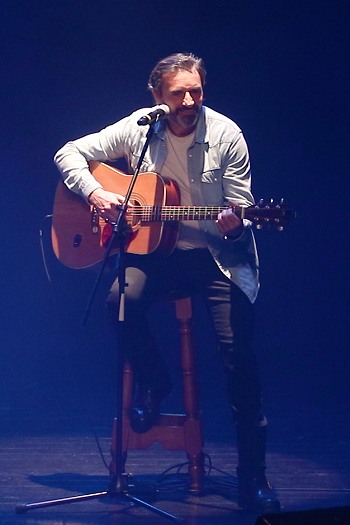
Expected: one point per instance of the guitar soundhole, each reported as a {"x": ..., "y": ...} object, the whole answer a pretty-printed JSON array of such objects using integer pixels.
[
  {"x": 133, "y": 218},
  {"x": 132, "y": 225}
]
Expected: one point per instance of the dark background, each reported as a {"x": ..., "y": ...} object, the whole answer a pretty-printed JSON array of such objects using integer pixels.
[{"x": 280, "y": 70}]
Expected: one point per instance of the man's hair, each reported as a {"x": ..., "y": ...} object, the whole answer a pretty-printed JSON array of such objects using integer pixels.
[{"x": 174, "y": 63}]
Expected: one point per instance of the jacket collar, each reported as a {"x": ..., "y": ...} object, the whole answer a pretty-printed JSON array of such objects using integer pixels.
[{"x": 200, "y": 132}]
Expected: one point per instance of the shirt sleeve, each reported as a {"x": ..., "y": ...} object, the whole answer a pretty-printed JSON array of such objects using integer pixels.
[
  {"x": 72, "y": 159},
  {"x": 237, "y": 172}
]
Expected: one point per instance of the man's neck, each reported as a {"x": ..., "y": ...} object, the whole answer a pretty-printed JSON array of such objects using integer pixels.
[{"x": 178, "y": 131}]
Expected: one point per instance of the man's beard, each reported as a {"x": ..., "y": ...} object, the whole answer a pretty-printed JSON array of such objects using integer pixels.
[{"x": 187, "y": 118}]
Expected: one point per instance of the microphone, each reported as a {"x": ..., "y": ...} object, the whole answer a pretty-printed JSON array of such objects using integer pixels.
[{"x": 156, "y": 114}]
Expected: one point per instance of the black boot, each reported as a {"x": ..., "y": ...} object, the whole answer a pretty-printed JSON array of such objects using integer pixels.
[
  {"x": 254, "y": 491},
  {"x": 146, "y": 410},
  {"x": 153, "y": 385}
]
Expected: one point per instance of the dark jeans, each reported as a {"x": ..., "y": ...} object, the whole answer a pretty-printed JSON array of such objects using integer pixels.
[{"x": 151, "y": 277}]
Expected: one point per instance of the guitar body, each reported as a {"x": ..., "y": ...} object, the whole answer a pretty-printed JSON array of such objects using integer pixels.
[{"x": 79, "y": 236}]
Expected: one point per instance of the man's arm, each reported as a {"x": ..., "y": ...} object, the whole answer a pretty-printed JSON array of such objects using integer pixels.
[
  {"x": 236, "y": 188},
  {"x": 72, "y": 161}
]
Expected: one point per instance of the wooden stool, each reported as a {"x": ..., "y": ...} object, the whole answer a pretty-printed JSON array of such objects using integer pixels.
[{"x": 173, "y": 431}]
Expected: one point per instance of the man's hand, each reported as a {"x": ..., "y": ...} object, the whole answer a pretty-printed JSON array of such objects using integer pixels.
[
  {"x": 229, "y": 224},
  {"x": 106, "y": 203}
]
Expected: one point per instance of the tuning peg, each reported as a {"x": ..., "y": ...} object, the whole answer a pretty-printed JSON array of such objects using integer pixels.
[
  {"x": 261, "y": 202},
  {"x": 259, "y": 226},
  {"x": 271, "y": 201}
]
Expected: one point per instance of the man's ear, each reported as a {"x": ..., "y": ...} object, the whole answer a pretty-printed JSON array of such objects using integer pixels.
[{"x": 157, "y": 96}]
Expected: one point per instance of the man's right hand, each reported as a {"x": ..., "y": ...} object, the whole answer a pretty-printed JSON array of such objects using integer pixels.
[{"x": 106, "y": 203}]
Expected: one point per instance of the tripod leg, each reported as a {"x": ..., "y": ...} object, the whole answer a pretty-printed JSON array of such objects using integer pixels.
[
  {"x": 21, "y": 509},
  {"x": 155, "y": 509}
]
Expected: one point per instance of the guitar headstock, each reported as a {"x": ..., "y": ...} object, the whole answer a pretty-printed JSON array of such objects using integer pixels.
[{"x": 270, "y": 215}]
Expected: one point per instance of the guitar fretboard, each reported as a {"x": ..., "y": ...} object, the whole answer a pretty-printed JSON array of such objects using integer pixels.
[{"x": 179, "y": 213}]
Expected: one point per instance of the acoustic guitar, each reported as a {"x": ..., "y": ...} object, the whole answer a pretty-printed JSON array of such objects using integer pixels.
[{"x": 80, "y": 236}]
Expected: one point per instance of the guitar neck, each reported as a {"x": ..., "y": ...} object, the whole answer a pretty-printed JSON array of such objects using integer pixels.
[{"x": 180, "y": 213}]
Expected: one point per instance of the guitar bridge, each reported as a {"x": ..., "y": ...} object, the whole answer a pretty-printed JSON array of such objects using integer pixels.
[{"x": 94, "y": 220}]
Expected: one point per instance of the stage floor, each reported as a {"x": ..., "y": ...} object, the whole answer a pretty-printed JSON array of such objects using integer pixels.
[{"x": 50, "y": 458}]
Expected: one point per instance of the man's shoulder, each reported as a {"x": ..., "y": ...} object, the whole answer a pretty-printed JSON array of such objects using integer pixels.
[
  {"x": 135, "y": 115},
  {"x": 128, "y": 125}
]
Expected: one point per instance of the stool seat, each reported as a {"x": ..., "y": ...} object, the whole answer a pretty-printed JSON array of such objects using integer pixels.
[{"x": 172, "y": 431}]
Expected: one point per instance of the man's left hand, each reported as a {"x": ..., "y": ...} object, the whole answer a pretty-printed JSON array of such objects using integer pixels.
[{"x": 228, "y": 223}]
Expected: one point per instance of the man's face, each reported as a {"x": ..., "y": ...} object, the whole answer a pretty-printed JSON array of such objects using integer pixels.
[{"x": 182, "y": 91}]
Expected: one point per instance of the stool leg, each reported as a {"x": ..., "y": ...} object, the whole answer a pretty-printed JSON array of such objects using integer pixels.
[{"x": 192, "y": 425}]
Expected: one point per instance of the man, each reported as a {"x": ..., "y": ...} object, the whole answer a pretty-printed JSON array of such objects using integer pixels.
[{"x": 206, "y": 154}]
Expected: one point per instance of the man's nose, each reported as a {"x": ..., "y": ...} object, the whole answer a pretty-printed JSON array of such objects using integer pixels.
[{"x": 188, "y": 100}]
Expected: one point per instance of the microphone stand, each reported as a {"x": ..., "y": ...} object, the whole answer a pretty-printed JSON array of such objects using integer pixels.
[{"x": 118, "y": 487}]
